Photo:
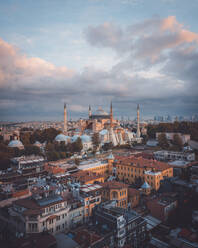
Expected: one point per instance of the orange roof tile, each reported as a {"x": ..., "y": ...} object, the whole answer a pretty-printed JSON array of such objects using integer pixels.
[
  {"x": 114, "y": 185},
  {"x": 140, "y": 162}
]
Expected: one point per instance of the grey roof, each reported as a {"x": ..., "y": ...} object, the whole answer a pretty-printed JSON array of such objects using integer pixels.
[
  {"x": 145, "y": 185},
  {"x": 64, "y": 240}
]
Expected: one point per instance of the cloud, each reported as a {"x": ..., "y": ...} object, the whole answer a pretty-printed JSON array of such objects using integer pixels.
[
  {"x": 16, "y": 69},
  {"x": 145, "y": 39},
  {"x": 156, "y": 64},
  {"x": 105, "y": 35}
]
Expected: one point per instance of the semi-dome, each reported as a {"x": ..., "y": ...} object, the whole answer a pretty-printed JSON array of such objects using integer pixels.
[
  {"x": 103, "y": 132},
  {"x": 85, "y": 138},
  {"x": 74, "y": 138},
  {"x": 100, "y": 111},
  {"x": 15, "y": 143},
  {"x": 110, "y": 157},
  {"x": 146, "y": 186},
  {"x": 37, "y": 143},
  {"x": 61, "y": 137}
]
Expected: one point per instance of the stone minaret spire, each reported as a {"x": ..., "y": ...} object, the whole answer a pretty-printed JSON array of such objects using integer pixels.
[
  {"x": 111, "y": 115},
  {"x": 111, "y": 125},
  {"x": 138, "y": 121},
  {"x": 112, "y": 137},
  {"x": 89, "y": 111},
  {"x": 65, "y": 119}
]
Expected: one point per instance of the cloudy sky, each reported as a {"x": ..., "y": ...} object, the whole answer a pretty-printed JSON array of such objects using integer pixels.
[{"x": 93, "y": 51}]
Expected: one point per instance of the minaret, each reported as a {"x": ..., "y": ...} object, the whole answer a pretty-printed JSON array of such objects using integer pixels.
[
  {"x": 111, "y": 116},
  {"x": 65, "y": 119},
  {"x": 138, "y": 121},
  {"x": 89, "y": 111},
  {"x": 111, "y": 125}
]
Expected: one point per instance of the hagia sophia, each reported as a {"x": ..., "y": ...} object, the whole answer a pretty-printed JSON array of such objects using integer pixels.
[
  {"x": 104, "y": 124},
  {"x": 101, "y": 122}
]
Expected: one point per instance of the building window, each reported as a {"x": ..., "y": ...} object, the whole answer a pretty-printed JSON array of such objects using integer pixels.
[
  {"x": 33, "y": 227},
  {"x": 51, "y": 221}
]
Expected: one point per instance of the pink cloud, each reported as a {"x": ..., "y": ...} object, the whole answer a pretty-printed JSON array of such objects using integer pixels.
[{"x": 19, "y": 69}]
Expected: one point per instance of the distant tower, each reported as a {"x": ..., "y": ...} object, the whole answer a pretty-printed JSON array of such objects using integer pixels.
[
  {"x": 89, "y": 111},
  {"x": 138, "y": 121},
  {"x": 111, "y": 116},
  {"x": 65, "y": 119},
  {"x": 111, "y": 125}
]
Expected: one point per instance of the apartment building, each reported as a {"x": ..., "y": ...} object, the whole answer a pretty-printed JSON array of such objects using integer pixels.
[
  {"x": 133, "y": 197},
  {"x": 45, "y": 210},
  {"x": 129, "y": 169},
  {"x": 95, "y": 166},
  {"x": 116, "y": 191},
  {"x": 89, "y": 195},
  {"x": 171, "y": 155},
  {"x": 162, "y": 207},
  {"x": 128, "y": 226},
  {"x": 170, "y": 136},
  {"x": 86, "y": 177}
]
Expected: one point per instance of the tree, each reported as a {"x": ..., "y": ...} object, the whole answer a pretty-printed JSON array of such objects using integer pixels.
[
  {"x": 53, "y": 156},
  {"x": 50, "y": 147},
  {"x": 25, "y": 138},
  {"x": 48, "y": 135},
  {"x": 96, "y": 140},
  {"x": 77, "y": 161},
  {"x": 177, "y": 142},
  {"x": 77, "y": 145},
  {"x": 107, "y": 146},
  {"x": 162, "y": 141},
  {"x": 31, "y": 149}
]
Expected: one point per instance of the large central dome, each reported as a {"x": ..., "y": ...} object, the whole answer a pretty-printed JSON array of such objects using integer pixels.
[{"x": 100, "y": 111}]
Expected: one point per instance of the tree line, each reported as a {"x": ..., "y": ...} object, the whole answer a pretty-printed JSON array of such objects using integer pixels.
[
  {"x": 53, "y": 150},
  {"x": 179, "y": 127}
]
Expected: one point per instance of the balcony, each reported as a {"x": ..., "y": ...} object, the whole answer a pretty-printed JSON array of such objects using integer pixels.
[
  {"x": 33, "y": 218},
  {"x": 35, "y": 230},
  {"x": 121, "y": 224},
  {"x": 56, "y": 211},
  {"x": 121, "y": 233}
]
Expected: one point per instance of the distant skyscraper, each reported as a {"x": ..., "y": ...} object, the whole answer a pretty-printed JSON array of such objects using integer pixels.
[
  {"x": 111, "y": 115},
  {"x": 138, "y": 121},
  {"x": 65, "y": 119},
  {"x": 169, "y": 118},
  {"x": 89, "y": 110},
  {"x": 111, "y": 138}
]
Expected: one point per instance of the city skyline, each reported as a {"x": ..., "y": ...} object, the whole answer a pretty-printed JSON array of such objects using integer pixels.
[{"x": 93, "y": 51}]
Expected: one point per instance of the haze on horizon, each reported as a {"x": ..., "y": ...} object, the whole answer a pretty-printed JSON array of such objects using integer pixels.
[{"x": 93, "y": 51}]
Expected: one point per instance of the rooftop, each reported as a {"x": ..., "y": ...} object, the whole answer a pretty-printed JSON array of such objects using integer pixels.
[
  {"x": 114, "y": 185},
  {"x": 145, "y": 186},
  {"x": 140, "y": 162}
]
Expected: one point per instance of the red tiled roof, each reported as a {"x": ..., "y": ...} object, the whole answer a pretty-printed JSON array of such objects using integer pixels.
[
  {"x": 114, "y": 185},
  {"x": 30, "y": 203},
  {"x": 39, "y": 240},
  {"x": 133, "y": 192},
  {"x": 86, "y": 238},
  {"x": 52, "y": 217},
  {"x": 142, "y": 162},
  {"x": 32, "y": 212},
  {"x": 185, "y": 233},
  {"x": 85, "y": 176}
]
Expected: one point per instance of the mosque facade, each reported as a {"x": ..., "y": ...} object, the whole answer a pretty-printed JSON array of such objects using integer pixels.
[{"x": 104, "y": 124}]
